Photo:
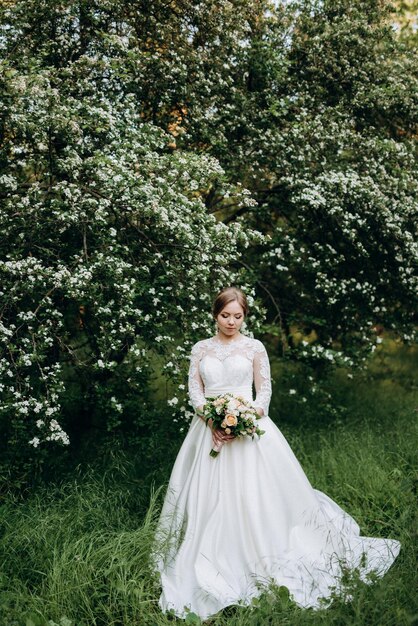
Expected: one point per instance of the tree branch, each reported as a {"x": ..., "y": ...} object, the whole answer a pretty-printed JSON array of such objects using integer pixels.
[{"x": 276, "y": 306}]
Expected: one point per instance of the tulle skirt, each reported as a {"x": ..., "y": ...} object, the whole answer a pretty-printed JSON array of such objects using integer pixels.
[{"x": 233, "y": 524}]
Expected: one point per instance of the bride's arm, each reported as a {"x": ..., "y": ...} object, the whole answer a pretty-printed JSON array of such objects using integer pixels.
[
  {"x": 195, "y": 383},
  {"x": 262, "y": 379},
  {"x": 196, "y": 392}
]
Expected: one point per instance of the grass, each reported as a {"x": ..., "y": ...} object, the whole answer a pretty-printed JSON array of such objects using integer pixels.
[{"x": 78, "y": 554}]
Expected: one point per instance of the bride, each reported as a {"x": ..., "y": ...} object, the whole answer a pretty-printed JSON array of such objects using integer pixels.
[{"x": 249, "y": 517}]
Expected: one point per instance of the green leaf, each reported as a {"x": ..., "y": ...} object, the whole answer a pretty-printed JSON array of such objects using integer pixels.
[
  {"x": 192, "y": 618},
  {"x": 284, "y": 594}
]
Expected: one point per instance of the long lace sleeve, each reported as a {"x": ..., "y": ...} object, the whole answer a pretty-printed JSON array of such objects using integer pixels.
[
  {"x": 262, "y": 378},
  {"x": 196, "y": 391}
]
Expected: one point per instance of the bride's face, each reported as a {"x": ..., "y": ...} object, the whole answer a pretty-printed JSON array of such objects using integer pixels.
[{"x": 230, "y": 319}]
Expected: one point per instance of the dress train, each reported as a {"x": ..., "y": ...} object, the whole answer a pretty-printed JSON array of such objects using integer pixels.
[{"x": 250, "y": 517}]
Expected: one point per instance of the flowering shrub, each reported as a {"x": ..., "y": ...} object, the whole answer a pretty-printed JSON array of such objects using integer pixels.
[
  {"x": 145, "y": 155},
  {"x": 107, "y": 252},
  {"x": 319, "y": 120}
]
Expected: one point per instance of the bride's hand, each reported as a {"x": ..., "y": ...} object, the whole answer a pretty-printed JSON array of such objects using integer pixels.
[{"x": 218, "y": 436}]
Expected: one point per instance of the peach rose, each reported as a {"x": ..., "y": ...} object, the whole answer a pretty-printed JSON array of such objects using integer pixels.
[
  {"x": 223, "y": 425},
  {"x": 228, "y": 431},
  {"x": 231, "y": 420}
]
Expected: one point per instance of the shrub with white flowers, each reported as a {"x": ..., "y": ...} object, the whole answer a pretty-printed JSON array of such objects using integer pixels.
[
  {"x": 319, "y": 122},
  {"x": 145, "y": 154},
  {"x": 107, "y": 252}
]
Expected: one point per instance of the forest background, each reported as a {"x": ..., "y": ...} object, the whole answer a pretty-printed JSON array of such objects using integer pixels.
[{"x": 151, "y": 153}]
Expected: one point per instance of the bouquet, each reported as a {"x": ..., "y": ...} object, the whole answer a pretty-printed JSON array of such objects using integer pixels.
[{"x": 234, "y": 415}]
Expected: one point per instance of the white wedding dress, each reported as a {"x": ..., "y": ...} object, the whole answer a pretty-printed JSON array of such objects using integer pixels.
[{"x": 250, "y": 516}]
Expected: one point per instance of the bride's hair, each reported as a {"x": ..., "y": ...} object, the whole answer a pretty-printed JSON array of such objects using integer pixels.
[{"x": 227, "y": 295}]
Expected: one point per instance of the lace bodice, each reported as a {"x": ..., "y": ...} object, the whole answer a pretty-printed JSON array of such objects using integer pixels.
[{"x": 217, "y": 367}]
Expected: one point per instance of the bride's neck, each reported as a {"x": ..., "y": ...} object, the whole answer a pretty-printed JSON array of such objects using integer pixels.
[{"x": 222, "y": 339}]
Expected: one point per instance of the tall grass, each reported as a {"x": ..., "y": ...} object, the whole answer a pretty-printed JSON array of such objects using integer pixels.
[{"x": 78, "y": 554}]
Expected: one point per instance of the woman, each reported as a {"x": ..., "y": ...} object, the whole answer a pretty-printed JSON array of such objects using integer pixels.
[{"x": 248, "y": 517}]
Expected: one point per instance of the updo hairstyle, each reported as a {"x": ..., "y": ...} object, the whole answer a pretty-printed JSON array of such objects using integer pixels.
[{"x": 227, "y": 295}]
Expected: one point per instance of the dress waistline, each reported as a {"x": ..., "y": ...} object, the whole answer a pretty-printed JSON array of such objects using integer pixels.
[{"x": 245, "y": 392}]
